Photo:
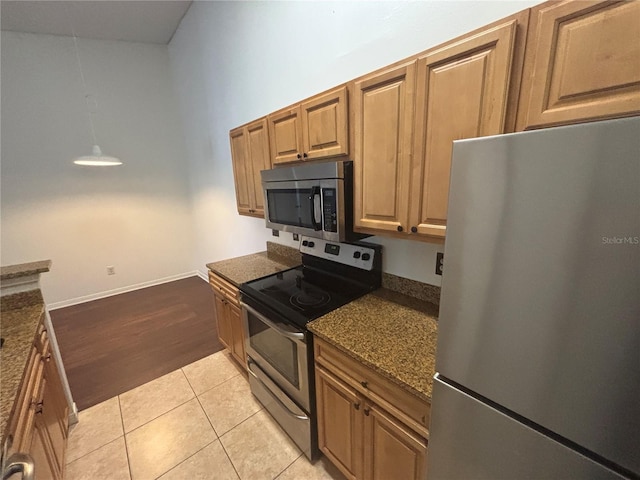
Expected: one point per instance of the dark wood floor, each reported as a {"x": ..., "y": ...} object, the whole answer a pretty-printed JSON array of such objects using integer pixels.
[{"x": 114, "y": 344}]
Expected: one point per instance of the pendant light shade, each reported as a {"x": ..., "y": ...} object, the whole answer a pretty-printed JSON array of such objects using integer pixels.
[{"x": 97, "y": 159}]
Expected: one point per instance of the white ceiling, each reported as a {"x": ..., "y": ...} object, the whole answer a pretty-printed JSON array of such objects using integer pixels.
[{"x": 146, "y": 21}]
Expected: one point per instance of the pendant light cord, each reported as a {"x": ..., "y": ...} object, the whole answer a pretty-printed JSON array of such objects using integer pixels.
[{"x": 84, "y": 83}]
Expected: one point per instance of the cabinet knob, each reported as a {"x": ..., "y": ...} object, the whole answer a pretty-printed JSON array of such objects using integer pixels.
[
  {"x": 299, "y": 156},
  {"x": 356, "y": 405},
  {"x": 414, "y": 229},
  {"x": 424, "y": 419},
  {"x": 305, "y": 155},
  {"x": 364, "y": 383},
  {"x": 366, "y": 411},
  {"x": 400, "y": 228}
]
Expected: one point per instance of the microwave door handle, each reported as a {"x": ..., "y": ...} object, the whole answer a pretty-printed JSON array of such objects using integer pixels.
[{"x": 317, "y": 223}]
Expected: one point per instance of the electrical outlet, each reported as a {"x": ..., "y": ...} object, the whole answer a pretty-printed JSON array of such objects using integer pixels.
[
  {"x": 275, "y": 233},
  {"x": 296, "y": 237},
  {"x": 439, "y": 263},
  {"x": 111, "y": 270}
]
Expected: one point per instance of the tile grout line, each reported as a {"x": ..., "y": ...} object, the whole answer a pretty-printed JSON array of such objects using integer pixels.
[
  {"x": 180, "y": 463},
  {"x": 230, "y": 430},
  {"x": 157, "y": 416},
  {"x": 285, "y": 468},
  {"x": 97, "y": 448},
  {"x": 219, "y": 437},
  {"x": 188, "y": 382},
  {"x": 124, "y": 434}
]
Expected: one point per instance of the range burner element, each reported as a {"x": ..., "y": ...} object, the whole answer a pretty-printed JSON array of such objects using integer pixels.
[{"x": 306, "y": 299}]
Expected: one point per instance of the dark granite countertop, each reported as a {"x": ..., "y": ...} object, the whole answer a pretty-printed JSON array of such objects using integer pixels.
[
  {"x": 20, "y": 314},
  {"x": 24, "y": 269},
  {"x": 392, "y": 333},
  {"x": 249, "y": 267}
]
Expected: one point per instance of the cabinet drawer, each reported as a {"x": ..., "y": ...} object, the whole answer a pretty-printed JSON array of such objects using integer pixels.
[
  {"x": 406, "y": 406},
  {"x": 229, "y": 291}
]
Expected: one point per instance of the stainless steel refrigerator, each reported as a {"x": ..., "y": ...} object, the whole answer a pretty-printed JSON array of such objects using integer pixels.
[{"x": 538, "y": 360}]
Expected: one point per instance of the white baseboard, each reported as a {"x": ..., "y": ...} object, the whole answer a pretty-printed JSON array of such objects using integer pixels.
[
  {"x": 117, "y": 291},
  {"x": 203, "y": 275}
]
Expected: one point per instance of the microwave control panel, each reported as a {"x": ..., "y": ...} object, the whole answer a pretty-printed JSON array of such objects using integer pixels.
[
  {"x": 354, "y": 255},
  {"x": 329, "y": 210}
]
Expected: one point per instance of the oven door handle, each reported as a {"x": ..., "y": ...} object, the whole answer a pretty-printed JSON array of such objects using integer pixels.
[
  {"x": 273, "y": 395},
  {"x": 284, "y": 333}
]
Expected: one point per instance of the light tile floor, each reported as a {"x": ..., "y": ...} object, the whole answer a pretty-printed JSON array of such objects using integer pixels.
[{"x": 198, "y": 422}]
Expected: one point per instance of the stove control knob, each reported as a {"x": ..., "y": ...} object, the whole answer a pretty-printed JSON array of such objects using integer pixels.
[
  {"x": 312, "y": 244},
  {"x": 366, "y": 256},
  {"x": 356, "y": 254},
  {"x": 305, "y": 243}
]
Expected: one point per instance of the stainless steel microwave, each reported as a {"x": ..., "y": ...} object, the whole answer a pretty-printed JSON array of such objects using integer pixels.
[{"x": 314, "y": 199}]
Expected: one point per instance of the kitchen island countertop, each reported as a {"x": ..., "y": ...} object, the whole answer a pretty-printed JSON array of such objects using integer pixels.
[
  {"x": 243, "y": 269},
  {"x": 392, "y": 333}
]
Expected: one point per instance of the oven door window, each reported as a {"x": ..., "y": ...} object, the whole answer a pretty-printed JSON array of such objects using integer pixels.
[
  {"x": 290, "y": 206},
  {"x": 279, "y": 351}
]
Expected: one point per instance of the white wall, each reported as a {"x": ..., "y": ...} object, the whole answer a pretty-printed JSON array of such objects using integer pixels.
[
  {"x": 136, "y": 217},
  {"x": 233, "y": 62}
]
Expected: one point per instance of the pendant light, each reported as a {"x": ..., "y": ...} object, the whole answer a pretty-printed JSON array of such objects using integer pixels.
[{"x": 97, "y": 158}]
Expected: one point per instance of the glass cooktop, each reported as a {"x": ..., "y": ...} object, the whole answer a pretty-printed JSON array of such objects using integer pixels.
[{"x": 301, "y": 294}]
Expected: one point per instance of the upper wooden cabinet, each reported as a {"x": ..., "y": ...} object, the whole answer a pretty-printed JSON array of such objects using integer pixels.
[
  {"x": 316, "y": 128},
  {"x": 402, "y": 161},
  {"x": 383, "y": 105},
  {"x": 250, "y": 154},
  {"x": 560, "y": 62},
  {"x": 582, "y": 63},
  {"x": 462, "y": 92},
  {"x": 286, "y": 136}
]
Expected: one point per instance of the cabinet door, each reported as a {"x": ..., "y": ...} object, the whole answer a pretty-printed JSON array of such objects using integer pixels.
[
  {"x": 462, "y": 93},
  {"x": 237, "y": 334},
  {"x": 324, "y": 125},
  {"x": 383, "y": 107},
  {"x": 55, "y": 410},
  {"x": 285, "y": 136},
  {"x": 41, "y": 451},
  {"x": 391, "y": 449},
  {"x": 222, "y": 320},
  {"x": 258, "y": 153},
  {"x": 339, "y": 423},
  {"x": 241, "y": 170},
  {"x": 582, "y": 63}
]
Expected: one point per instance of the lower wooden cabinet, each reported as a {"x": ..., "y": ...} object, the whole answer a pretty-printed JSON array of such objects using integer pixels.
[
  {"x": 391, "y": 449},
  {"x": 228, "y": 317},
  {"x": 359, "y": 430},
  {"x": 340, "y": 435},
  {"x": 38, "y": 425},
  {"x": 223, "y": 322},
  {"x": 237, "y": 334}
]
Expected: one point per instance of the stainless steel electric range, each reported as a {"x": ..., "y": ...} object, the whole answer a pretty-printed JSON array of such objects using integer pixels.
[{"x": 276, "y": 310}]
